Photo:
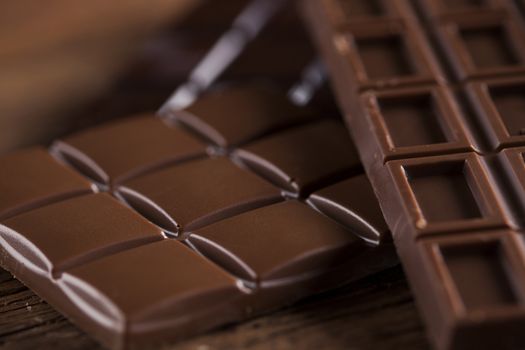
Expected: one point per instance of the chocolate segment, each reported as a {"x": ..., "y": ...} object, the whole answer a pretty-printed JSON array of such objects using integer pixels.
[
  {"x": 54, "y": 182},
  {"x": 438, "y": 124},
  {"x": 61, "y": 235},
  {"x": 317, "y": 154},
  {"x": 186, "y": 240},
  {"x": 335, "y": 202},
  {"x": 316, "y": 243},
  {"x": 434, "y": 120},
  {"x": 152, "y": 289},
  {"x": 483, "y": 44},
  {"x": 474, "y": 283},
  {"x": 499, "y": 103},
  {"x": 236, "y": 115},
  {"x": 197, "y": 193},
  {"x": 446, "y": 193},
  {"x": 113, "y": 153}
]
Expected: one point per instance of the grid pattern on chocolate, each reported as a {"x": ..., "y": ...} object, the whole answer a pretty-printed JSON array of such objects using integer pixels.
[
  {"x": 222, "y": 237},
  {"x": 21, "y": 193},
  {"x": 440, "y": 131}
]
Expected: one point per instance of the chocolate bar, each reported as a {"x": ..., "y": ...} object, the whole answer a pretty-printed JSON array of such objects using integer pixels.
[
  {"x": 433, "y": 94},
  {"x": 154, "y": 228}
]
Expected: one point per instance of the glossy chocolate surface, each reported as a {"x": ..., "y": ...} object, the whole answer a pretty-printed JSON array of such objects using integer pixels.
[
  {"x": 197, "y": 193},
  {"x": 115, "y": 152},
  {"x": 71, "y": 232},
  {"x": 432, "y": 91},
  {"x": 183, "y": 240},
  {"x": 335, "y": 201},
  {"x": 312, "y": 159},
  {"x": 178, "y": 288},
  {"x": 54, "y": 183},
  {"x": 316, "y": 243},
  {"x": 220, "y": 118}
]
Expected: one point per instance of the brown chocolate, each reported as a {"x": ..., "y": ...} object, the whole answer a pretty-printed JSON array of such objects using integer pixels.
[
  {"x": 336, "y": 201},
  {"x": 305, "y": 165},
  {"x": 431, "y": 91},
  {"x": 315, "y": 244},
  {"x": 221, "y": 118},
  {"x": 123, "y": 150},
  {"x": 180, "y": 290},
  {"x": 173, "y": 197},
  {"x": 59, "y": 236},
  {"x": 55, "y": 181},
  {"x": 184, "y": 240}
]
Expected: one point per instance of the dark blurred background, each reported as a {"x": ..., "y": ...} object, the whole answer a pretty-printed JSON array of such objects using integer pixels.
[{"x": 65, "y": 66}]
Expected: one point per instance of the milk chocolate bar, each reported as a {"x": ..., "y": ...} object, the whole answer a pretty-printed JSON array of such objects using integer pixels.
[
  {"x": 155, "y": 228},
  {"x": 433, "y": 92}
]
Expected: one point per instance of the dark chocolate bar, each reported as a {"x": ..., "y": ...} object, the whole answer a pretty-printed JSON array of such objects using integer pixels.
[
  {"x": 434, "y": 95},
  {"x": 156, "y": 228}
]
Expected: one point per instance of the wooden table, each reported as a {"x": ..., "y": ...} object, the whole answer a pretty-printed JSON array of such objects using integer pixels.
[{"x": 375, "y": 313}]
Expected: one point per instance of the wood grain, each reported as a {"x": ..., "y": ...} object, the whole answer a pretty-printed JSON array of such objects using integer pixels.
[{"x": 375, "y": 313}]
